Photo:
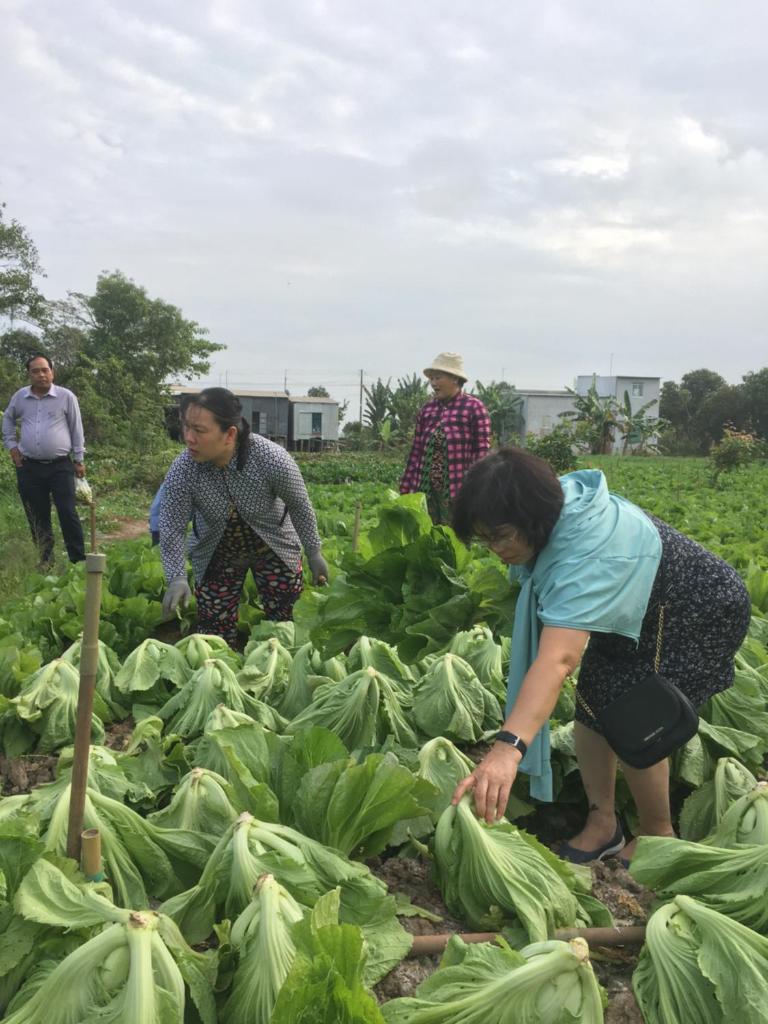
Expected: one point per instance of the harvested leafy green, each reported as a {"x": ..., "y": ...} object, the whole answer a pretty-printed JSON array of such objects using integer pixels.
[
  {"x": 212, "y": 684},
  {"x": 704, "y": 808},
  {"x": 308, "y": 671},
  {"x": 140, "y": 859},
  {"x": 368, "y": 652},
  {"x": 362, "y": 710},
  {"x": 695, "y": 762},
  {"x": 548, "y": 982},
  {"x": 262, "y": 936},
  {"x": 107, "y": 667},
  {"x": 197, "y": 648},
  {"x": 733, "y": 882},
  {"x": 250, "y": 741},
  {"x": 449, "y": 700},
  {"x": 355, "y": 807},
  {"x": 132, "y": 972},
  {"x": 699, "y": 965},
  {"x": 266, "y": 670},
  {"x": 745, "y": 822},
  {"x": 47, "y": 702},
  {"x": 152, "y": 672},
  {"x": 306, "y": 868},
  {"x": 201, "y": 804},
  {"x": 444, "y": 765},
  {"x": 478, "y": 648},
  {"x": 152, "y": 760},
  {"x": 326, "y": 983},
  {"x": 497, "y": 874},
  {"x": 285, "y": 632}
]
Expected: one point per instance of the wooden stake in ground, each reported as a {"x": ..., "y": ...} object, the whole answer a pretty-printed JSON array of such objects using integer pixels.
[
  {"x": 89, "y": 658},
  {"x": 356, "y": 527}
]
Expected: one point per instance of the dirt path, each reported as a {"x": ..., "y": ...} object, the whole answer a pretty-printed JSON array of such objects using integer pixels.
[{"x": 126, "y": 528}]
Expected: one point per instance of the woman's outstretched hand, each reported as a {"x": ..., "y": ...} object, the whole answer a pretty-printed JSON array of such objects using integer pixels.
[{"x": 491, "y": 782}]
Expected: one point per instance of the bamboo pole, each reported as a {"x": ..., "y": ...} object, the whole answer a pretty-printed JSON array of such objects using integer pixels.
[
  {"x": 633, "y": 935},
  {"x": 89, "y": 656},
  {"x": 90, "y": 859},
  {"x": 356, "y": 527}
]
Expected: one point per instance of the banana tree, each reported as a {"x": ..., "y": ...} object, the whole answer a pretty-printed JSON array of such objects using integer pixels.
[
  {"x": 636, "y": 426},
  {"x": 598, "y": 415}
]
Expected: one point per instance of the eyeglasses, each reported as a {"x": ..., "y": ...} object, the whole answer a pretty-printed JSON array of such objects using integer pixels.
[{"x": 503, "y": 535}]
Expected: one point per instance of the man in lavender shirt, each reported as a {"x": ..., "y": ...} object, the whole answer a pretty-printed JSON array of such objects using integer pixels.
[{"x": 48, "y": 456}]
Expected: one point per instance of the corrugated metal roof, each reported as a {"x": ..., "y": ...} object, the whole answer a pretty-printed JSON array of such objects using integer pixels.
[{"x": 177, "y": 389}]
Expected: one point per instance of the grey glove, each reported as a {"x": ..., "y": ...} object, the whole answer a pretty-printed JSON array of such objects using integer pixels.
[
  {"x": 319, "y": 569},
  {"x": 178, "y": 591}
]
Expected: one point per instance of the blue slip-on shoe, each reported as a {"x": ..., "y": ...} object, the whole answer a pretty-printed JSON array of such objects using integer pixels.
[{"x": 614, "y": 844}]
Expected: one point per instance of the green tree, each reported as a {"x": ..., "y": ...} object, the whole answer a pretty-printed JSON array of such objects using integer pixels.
[
  {"x": 597, "y": 417},
  {"x": 505, "y": 408},
  {"x": 405, "y": 402},
  {"x": 681, "y": 405},
  {"x": 377, "y": 401},
  {"x": 20, "y": 266},
  {"x": 755, "y": 389},
  {"x": 318, "y": 391},
  {"x": 150, "y": 337},
  {"x": 116, "y": 349}
]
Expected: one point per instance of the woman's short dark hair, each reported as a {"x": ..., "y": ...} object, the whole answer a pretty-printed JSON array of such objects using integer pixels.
[
  {"x": 509, "y": 487},
  {"x": 226, "y": 411}
]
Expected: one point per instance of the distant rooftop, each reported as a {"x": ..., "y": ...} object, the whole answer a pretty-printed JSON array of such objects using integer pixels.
[{"x": 179, "y": 389}]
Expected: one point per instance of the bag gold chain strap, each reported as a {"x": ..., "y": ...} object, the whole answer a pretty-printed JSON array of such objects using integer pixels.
[{"x": 656, "y": 660}]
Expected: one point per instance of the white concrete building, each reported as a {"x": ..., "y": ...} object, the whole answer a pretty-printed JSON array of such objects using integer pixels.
[{"x": 542, "y": 410}]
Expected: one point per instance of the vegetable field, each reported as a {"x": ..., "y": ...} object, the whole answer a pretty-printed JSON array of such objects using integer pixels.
[{"x": 276, "y": 822}]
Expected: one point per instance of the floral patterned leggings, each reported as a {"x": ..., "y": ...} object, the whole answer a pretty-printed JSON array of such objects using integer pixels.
[{"x": 218, "y": 596}]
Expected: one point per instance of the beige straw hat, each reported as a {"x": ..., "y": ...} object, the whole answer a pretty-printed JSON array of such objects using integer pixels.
[{"x": 448, "y": 362}]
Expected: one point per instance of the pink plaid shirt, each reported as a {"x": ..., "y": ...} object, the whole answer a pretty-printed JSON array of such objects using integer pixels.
[{"x": 467, "y": 428}]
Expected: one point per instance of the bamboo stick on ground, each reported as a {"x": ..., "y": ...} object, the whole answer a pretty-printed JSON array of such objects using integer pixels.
[{"x": 632, "y": 935}]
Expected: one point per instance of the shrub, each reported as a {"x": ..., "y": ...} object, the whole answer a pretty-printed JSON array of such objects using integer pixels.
[{"x": 556, "y": 448}]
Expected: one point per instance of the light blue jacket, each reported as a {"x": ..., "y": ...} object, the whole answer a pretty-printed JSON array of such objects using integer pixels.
[{"x": 595, "y": 574}]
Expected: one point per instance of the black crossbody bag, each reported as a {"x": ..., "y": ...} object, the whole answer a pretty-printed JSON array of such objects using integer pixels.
[{"x": 652, "y": 718}]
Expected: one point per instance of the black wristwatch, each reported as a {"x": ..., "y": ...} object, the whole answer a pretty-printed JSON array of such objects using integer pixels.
[{"x": 513, "y": 740}]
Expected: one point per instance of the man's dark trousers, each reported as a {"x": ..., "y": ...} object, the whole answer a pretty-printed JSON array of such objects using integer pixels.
[{"x": 39, "y": 482}]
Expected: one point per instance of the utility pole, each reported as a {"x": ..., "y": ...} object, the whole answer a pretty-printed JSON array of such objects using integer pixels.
[
  {"x": 361, "y": 399},
  {"x": 285, "y": 381}
]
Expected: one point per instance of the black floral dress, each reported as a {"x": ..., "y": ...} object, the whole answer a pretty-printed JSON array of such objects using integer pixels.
[{"x": 706, "y": 616}]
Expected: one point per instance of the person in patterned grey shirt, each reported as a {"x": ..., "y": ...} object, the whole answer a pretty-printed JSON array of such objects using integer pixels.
[{"x": 249, "y": 499}]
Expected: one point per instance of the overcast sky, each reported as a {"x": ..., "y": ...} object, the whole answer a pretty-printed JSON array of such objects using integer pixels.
[{"x": 548, "y": 188}]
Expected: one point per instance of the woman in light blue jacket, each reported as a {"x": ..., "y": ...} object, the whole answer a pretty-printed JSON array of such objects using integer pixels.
[{"x": 591, "y": 567}]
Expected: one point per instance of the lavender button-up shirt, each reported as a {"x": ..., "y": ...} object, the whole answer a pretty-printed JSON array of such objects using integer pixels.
[{"x": 50, "y": 424}]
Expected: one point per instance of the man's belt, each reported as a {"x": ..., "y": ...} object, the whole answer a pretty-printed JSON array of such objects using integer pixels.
[{"x": 46, "y": 462}]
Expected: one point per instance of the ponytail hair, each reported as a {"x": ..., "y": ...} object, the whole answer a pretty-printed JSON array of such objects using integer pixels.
[{"x": 227, "y": 412}]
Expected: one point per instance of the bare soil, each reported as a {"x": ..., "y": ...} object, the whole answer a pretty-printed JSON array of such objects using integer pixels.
[{"x": 612, "y": 884}]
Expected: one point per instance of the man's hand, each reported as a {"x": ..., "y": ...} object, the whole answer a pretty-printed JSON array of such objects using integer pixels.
[
  {"x": 79, "y": 470},
  {"x": 319, "y": 568},
  {"x": 491, "y": 781},
  {"x": 178, "y": 592},
  {"x": 16, "y": 457}
]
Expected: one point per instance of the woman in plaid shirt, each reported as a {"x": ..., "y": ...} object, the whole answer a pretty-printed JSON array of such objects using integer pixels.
[{"x": 453, "y": 430}]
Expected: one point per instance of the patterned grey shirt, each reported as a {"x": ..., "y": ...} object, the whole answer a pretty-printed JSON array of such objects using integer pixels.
[
  {"x": 269, "y": 493},
  {"x": 50, "y": 424}
]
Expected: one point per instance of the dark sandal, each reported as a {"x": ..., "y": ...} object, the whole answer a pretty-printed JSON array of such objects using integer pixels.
[{"x": 614, "y": 844}]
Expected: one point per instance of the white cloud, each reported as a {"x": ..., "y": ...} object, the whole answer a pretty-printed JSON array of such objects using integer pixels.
[{"x": 530, "y": 181}]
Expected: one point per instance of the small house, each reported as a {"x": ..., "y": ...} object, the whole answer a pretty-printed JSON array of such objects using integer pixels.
[{"x": 314, "y": 423}]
